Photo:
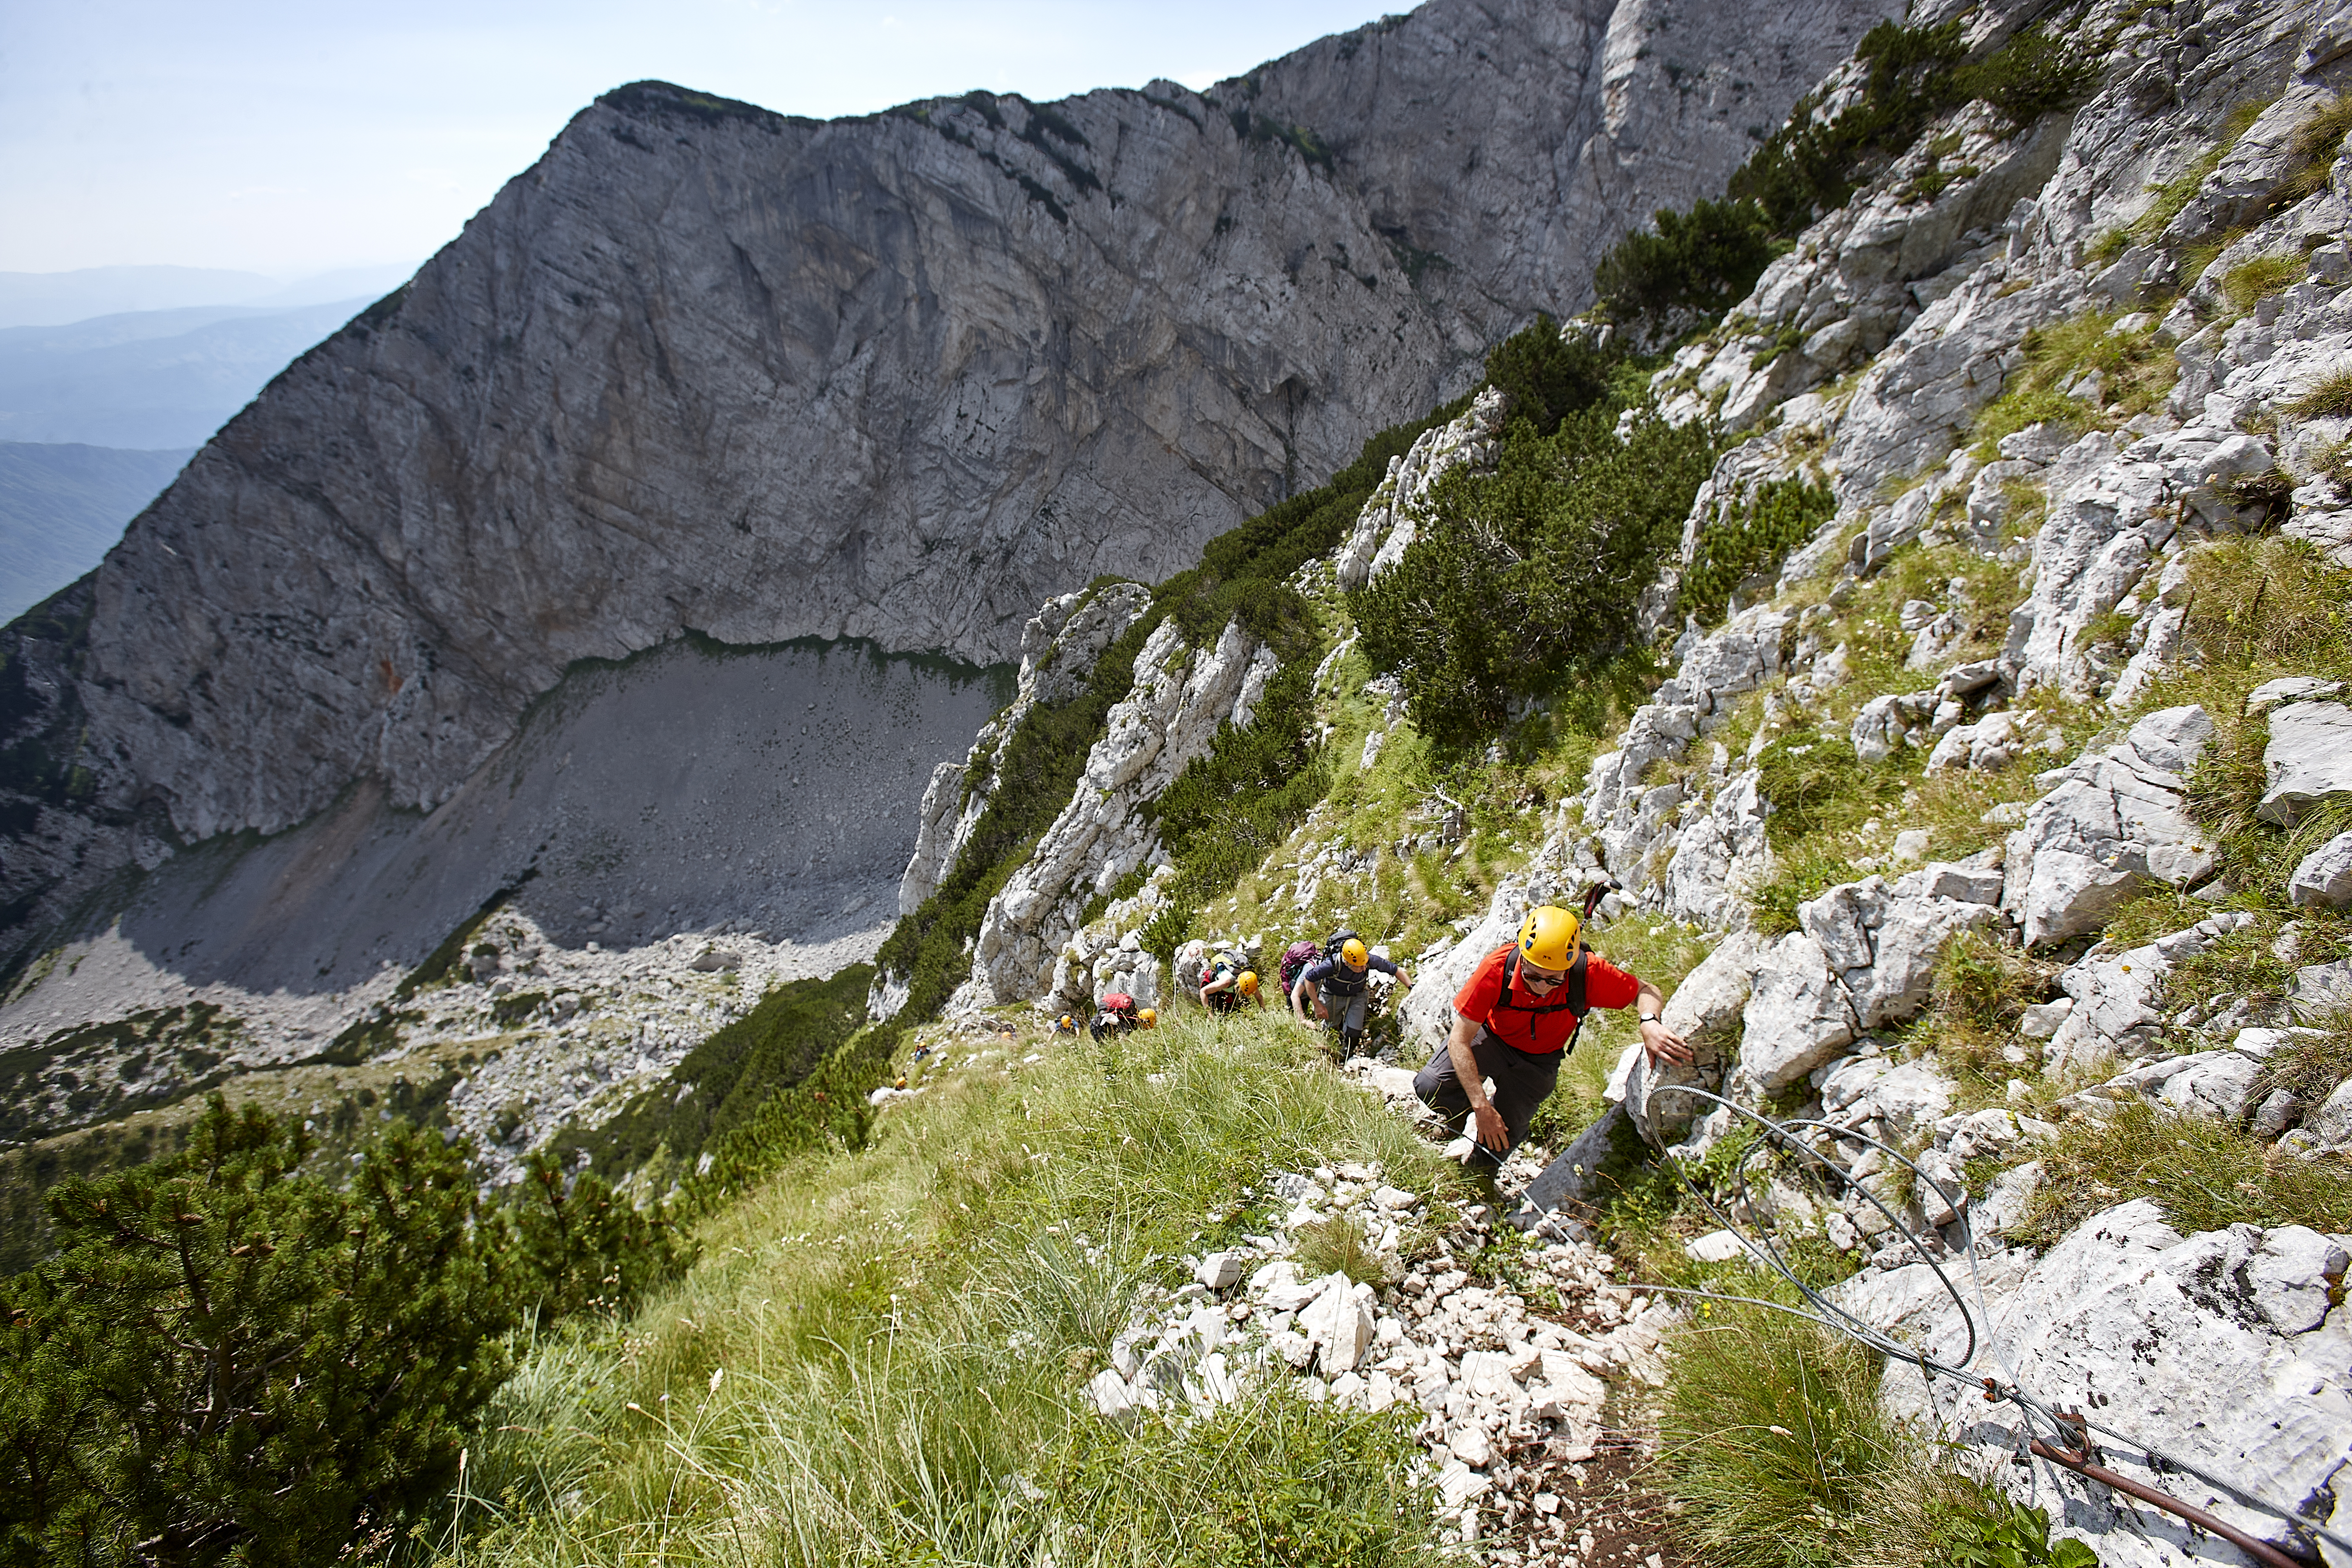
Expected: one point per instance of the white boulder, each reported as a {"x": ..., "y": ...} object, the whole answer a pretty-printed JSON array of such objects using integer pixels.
[
  {"x": 2309, "y": 757},
  {"x": 1339, "y": 1324},
  {"x": 2323, "y": 876},
  {"x": 1220, "y": 1270},
  {"x": 1798, "y": 1016},
  {"x": 2110, "y": 823},
  {"x": 2252, "y": 1380}
]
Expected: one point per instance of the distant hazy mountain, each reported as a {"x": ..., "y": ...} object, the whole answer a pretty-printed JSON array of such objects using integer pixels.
[
  {"x": 61, "y": 509},
  {"x": 150, "y": 379},
  {"x": 51, "y": 298}
]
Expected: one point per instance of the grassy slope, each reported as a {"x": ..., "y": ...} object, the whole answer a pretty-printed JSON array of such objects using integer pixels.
[{"x": 877, "y": 1345}]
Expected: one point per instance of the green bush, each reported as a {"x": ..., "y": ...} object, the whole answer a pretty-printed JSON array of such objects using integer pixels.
[
  {"x": 1527, "y": 583},
  {"x": 1687, "y": 266},
  {"x": 229, "y": 1360},
  {"x": 1781, "y": 516},
  {"x": 577, "y": 1248},
  {"x": 732, "y": 1077},
  {"x": 1547, "y": 377},
  {"x": 1695, "y": 265},
  {"x": 1229, "y": 808},
  {"x": 2031, "y": 75}
]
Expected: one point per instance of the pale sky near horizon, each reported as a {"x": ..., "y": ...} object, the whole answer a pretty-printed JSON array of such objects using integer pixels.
[{"x": 292, "y": 138}]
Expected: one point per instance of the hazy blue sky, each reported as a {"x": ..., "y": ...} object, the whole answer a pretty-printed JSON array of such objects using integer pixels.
[{"x": 287, "y": 138}]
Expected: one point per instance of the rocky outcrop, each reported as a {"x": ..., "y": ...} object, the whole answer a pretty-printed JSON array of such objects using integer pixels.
[
  {"x": 2323, "y": 876},
  {"x": 1058, "y": 650},
  {"x": 2111, "y": 823},
  {"x": 1170, "y": 716},
  {"x": 1392, "y": 519},
  {"x": 706, "y": 367},
  {"x": 2252, "y": 1309},
  {"x": 2307, "y": 760}
]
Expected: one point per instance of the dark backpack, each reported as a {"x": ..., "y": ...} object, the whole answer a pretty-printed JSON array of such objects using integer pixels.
[
  {"x": 1570, "y": 998},
  {"x": 1295, "y": 958},
  {"x": 1337, "y": 940}
]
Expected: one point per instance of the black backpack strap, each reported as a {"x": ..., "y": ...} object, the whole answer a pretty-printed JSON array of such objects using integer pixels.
[{"x": 1572, "y": 992}]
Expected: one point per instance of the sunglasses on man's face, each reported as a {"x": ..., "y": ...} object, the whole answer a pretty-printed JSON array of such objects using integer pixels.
[{"x": 1541, "y": 979}]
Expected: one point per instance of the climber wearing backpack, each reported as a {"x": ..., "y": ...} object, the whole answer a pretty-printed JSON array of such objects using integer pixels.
[
  {"x": 1515, "y": 1021},
  {"x": 1227, "y": 983},
  {"x": 1117, "y": 1015},
  {"x": 1338, "y": 986}
]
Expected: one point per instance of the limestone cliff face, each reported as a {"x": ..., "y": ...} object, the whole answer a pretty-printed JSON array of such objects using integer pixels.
[{"x": 901, "y": 377}]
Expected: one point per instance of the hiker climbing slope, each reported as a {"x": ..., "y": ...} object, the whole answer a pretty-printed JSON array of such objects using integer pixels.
[
  {"x": 1514, "y": 1023},
  {"x": 1339, "y": 987},
  {"x": 1228, "y": 980}
]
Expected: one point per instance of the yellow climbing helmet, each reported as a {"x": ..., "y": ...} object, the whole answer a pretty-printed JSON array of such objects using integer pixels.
[
  {"x": 1547, "y": 937},
  {"x": 1248, "y": 984},
  {"x": 1353, "y": 953},
  {"x": 1150, "y": 1017}
]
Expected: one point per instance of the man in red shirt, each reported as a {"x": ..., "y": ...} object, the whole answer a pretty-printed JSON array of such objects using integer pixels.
[{"x": 1513, "y": 1023}]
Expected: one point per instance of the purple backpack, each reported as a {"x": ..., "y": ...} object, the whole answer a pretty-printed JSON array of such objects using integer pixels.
[{"x": 1297, "y": 957}]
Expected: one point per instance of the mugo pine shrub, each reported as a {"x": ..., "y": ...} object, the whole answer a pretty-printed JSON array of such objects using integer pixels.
[
  {"x": 1689, "y": 268},
  {"x": 232, "y": 1360},
  {"x": 1532, "y": 579}
]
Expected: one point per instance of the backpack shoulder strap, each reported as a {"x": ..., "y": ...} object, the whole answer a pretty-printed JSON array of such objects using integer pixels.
[{"x": 1570, "y": 999}]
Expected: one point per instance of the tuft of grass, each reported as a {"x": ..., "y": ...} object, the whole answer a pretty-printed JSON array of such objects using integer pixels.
[
  {"x": 1775, "y": 1445},
  {"x": 2258, "y": 278},
  {"x": 1982, "y": 987},
  {"x": 2329, "y": 397},
  {"x": 2203, "y": 1175},
  {"x": 1339, "y": 1245},
  {"x": 2313, "y": 1066},
  {"x": 2138, "y": 365},
  {"x": 2319, "y": 141},
  {"x": 1797, "y": 877},
  {"x": 1270, "y": 1479},
  {"x": 2173, "y": 196}
]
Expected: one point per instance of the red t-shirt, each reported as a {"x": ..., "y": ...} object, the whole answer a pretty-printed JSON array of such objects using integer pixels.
[{"x": 1539, "y": 1033}]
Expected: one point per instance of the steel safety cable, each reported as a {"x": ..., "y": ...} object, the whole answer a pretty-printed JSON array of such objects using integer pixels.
[{"x": 2061, "y": 1438}]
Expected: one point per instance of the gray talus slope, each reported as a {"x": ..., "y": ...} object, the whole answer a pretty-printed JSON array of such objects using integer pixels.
[{"x": 901, "y": 377}]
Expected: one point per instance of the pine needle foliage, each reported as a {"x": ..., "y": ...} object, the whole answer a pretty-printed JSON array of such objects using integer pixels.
[
  {"x": 1689, "y": 267},
  {"x": 730, "y": 1080},
  {"x": 1548, "y": 376},
  {"x": 229, "y": 1360},
  {"x": 1751, "y": 538},
  {"x": 232, "y": 1359},
  {"x": 1530, "y": 583}
]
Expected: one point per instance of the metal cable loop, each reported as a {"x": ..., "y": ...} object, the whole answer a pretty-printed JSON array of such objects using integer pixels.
[{"x": 2061, "y": 1429}]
